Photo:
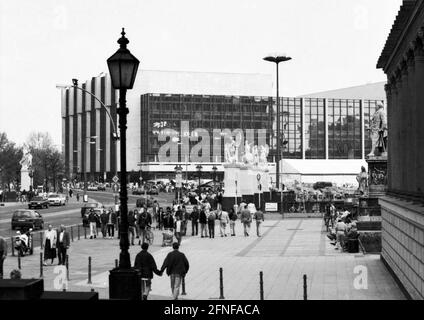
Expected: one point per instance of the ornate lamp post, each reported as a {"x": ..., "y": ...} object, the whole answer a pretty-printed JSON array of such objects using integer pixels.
[
  {"x": 214, "y": 168},
  {"x": 124, "y": 282},
  {"x": 178, "y": 177},
  {"x": 277, "y": 59}
]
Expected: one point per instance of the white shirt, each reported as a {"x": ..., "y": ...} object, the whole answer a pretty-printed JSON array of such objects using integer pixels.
[
  {"x": 178, "y": 226},
  {"x": 61, "y": 236}
]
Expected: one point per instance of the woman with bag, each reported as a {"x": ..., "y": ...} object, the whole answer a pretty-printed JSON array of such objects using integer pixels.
[{"x": 50, "y": 240}]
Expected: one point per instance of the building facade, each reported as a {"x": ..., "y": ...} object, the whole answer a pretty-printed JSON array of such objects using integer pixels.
[
  {"x": 402, "y": 60},
  {"x": 183, "y": 117}
]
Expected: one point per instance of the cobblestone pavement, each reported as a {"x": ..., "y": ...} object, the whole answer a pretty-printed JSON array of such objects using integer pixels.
[{"x": 287, "y": 250}]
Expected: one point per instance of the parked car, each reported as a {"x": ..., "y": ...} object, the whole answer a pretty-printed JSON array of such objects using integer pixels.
[
  {"x": 138, "y": 191},
  {"x": 56, "y": 199},
  {"x": 38, "y": 202},
  {"x": 141, "y": 201},
  {"x": 25, "y": 219},
  {"x": 153, "y": 190},
  {"x": 101, "y": 187},
  {"x": 88, "y": 206},
  {"x": 92, "y": 188}
]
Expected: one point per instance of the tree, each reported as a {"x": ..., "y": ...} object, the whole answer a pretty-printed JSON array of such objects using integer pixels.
[
  {"x": 48, "y": 162},
  {"x": 10, "y": 156}
]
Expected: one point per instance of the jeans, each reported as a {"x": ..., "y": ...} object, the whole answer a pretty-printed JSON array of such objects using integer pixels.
[
  {"x": 194, "y": 228},
  {"x": 1, "y": 264},
  {"x": 110, "y": 230},
  {"x": 104, "y": 228},
  {"x": 178, "y": 235},
  {"x": 93, "y": 229},
  {"x": 258, "y": 225},
  {"x": 223, "y": 228},
  {"x": 203, "y": 229},
  {"x": 233, "y": 227},
  {"x": 146, "y": 285},
  {"x": 175, "y": 285},
  {"x": 246, "y": 226},
  {"x": 211, "y": 226},
  {"x": 131, "y": 231},
  {"x": 142, "y": 235}
]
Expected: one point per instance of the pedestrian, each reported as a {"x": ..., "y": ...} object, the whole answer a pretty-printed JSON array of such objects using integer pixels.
[
  {"x": 63, "y": 244},
  {"x": 160, "y": 218},
  {"x": 70, "y": 193},
  {"x": 246, "y": 219},
  {"x": 233, "y": 218},
  {"x": 177, "y": 266},
  {"x": 111, "y": 221},
  {"x": 131, "y": 226},
  {"x": 92, "y": 219},
  {"x": 146, "y": 264},
  {"x": 78, "y": 196},
  {"x": 103, "y": 221},
  {"x": 195, "y": 221},
  {"x": 155, "y": 217},
  {"x": 178, "y": 229},
  {"x": 136, "y": 217},
  {"x": 144, "y": 221},
  {"x": 203, "y": 221},
  {"x": 259, "y": 217},
  {"x": 223, "y": 221},
  {"x": 3, "y": 254},
  {"x": 211, "y": 224},
  {"x": 50, "y": 242}
]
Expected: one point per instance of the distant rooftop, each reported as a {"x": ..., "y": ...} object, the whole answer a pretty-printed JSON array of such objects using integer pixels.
[{"x": 370, "y": 91}]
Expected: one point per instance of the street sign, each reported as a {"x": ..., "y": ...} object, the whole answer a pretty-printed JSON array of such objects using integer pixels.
[
  {"x": 271, "y": 206},
  {"x": 115, "y": 179},
  {"x": 115, "y": 188},
  {"x": 258, "y": 176}
]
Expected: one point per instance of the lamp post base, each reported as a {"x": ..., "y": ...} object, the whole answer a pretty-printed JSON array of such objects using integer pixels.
[{"x": 124, "y": 284}]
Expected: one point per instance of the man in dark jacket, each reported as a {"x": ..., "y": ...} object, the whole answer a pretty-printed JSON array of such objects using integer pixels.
[
  {"x": 111, "y": 222},
  {"x": 176, "y": 265},
  {"x": 92, "y": 219},
  {"x": 103, "y": 221},
  {"x": 195, "y": 221},
  {"x": 63, "y": 244},
  {"x": 144, "y": 220},
  {"x": 146, "y": 264},
  {"x": 131, "y": 226},
  {"x": 3, "y": 254},
  {"x": 203, "y": 221}
]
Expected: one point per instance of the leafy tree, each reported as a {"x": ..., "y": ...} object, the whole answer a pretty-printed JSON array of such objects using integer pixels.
[{"x": 10, "y": 156}]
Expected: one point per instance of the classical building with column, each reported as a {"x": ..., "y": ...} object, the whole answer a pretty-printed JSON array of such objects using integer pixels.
[{"x": 402, "y": 60}]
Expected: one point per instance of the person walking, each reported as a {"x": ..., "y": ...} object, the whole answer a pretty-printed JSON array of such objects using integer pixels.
[
  {"x": 146, "y": 264},
  {"x": 177, "y": 266},
  {"x": 144, "y": 221},
  {"x": 131, "y": 226},
  {"x": 194, "y": 221},
  {"x": 259, "y": 217},
  {"x": 3, "y": 254},
  {"x": 203, "y": 221},
  {"x": 246, "y": 219},
  {"x": 211, "y": 224},
  {"x": 63, "y": 244},
  {"x": 50, "y": 242},
  {"x": 78, "y": 196},
  {"x": 233, "y": 218},
  {"x": 223, "y": 221},
  {"x": 103, "y": 221},
  {"x": 178, "y": 229},
  {"x": 93, "y": 217},
  {"x": 111, "y": 221}
]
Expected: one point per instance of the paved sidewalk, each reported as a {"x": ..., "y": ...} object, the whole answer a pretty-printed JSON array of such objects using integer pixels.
[{"x": 287, "y": 250}]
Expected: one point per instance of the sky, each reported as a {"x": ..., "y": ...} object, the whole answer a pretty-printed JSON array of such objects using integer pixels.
[{"x": 333, "y": 44}]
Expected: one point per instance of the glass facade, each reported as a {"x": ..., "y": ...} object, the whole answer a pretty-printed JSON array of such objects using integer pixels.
[
  {"x": 331, "y": 127},
  {"x": 344, "y": 129}
]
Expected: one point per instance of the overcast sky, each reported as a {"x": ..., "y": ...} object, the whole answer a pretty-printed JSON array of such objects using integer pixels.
[{"x": 333, "y": 43}]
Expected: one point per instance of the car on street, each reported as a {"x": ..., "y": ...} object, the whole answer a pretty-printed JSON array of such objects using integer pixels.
[
  {"x": 38, "y": 202},
  {"x": 56, "y": 199},
  {"x": 101, "y": 187},
  {"x": 138, "y": 191},
  {"x": 153, "y": 190},
  {"x": 87, "y": 206},
  {"x": 25, "y": 219},
  {"x": 92, "y": 188}
]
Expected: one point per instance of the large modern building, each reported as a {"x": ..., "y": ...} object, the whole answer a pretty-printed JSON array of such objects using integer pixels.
[{"x": 187, "y": 117}]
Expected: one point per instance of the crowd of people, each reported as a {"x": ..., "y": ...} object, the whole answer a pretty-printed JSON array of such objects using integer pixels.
[{"x": 341, "y": 227}]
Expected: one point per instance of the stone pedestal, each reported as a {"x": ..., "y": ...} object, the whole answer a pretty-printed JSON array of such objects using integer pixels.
[
  {"x": 25, "y": 180},
  {"x": 377, "y": 175}
]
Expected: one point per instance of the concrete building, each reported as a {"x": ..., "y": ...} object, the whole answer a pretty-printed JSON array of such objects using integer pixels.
[
  {"x": 402, "y": 60},
  {"x": 325, "y": 137}
]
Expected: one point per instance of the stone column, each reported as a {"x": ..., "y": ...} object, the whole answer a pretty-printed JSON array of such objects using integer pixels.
[
  {"x": 403, "y": 128},
  {"x": 396, "y": 163},
  {"x": 389, "y": 109},
  {"x": 410, "y": 123},
  {"x": 419, "y": 114}
]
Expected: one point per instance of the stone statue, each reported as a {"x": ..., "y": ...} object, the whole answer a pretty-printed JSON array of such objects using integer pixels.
[
  {"x": 248, "y": 155},
  {"x": 263, "y": 154},
  {"x": 26, "y": 161},
  {"x": 378, "y": 130},
  {"x": 230, "y": 150},
  {"x": 255, "y": 153},
  {"x": 362, "y": 179}
]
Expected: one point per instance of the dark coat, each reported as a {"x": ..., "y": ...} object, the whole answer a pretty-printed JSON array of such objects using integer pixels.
[
  {"x": 113, "y": 217},
  {"x": 131, "y": 220},
  {"x": 168, "y": 222},
  {"x": 93, "y": 217},
  {"x": 104, "y": 217},
  {"x": 195, "y": 216},
  {"x": 144, "y": 219},
  {"x": 145, "y": 262},
  {"x": 66, "y": 239},
  {"x": 202, "y": 216},
  {"x": 175, "y": 263}
]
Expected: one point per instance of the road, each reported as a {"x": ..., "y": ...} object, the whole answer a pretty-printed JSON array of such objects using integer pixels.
[{"x": 70, "y": 214}]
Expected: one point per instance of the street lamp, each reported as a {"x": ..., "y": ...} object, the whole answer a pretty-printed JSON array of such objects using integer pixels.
[
  {"x": 124, "y": 281},
  {"x": 178, "y": 177},
  {"x": 199, "y": 169},
  {"x": 277, "y": 59}
]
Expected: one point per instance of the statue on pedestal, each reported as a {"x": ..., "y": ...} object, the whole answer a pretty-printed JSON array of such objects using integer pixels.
[
  {"x": 362, "y": 179},
  {"x": 231, "y": 151},
  {"x": 248, "y": 157},
  {"x": 26, "y": 161},
  {"x": 378, "y": 131},
  {"x": 263, "y": 154}
]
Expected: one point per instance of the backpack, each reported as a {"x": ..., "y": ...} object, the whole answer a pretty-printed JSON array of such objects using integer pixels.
[{"x": 211, "y": 216}]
